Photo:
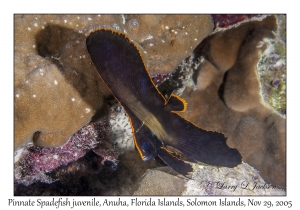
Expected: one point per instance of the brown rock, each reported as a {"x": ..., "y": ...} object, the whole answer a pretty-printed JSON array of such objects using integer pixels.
[
  {"x": 165, "y": 40},
  {"x": 206, "y": 180},
  {"x": 157, "y": 182},
  {"x": 224, "y": 46},
  {"x": 58, "y": 90},
  {"x": 235, "y": 107}
]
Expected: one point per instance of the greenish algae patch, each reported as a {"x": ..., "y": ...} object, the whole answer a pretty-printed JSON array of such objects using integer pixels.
[
  {"x": 272, "y": 70},
  {"x": 272, "y": 73}
]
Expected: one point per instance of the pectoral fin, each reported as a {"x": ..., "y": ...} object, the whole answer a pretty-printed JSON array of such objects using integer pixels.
[{"x": 174, "y": 162}]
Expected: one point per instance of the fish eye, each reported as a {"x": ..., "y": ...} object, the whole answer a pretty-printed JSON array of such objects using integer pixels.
[{"x": 146, "y": 145}]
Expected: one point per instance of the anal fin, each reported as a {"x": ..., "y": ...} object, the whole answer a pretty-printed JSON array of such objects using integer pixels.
[
  {"x": 174, "y": 162},
  {"x": 204, "y": 146}
]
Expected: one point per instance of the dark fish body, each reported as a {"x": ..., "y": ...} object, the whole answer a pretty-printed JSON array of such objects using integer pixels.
[{"x": 153, "y": 119}]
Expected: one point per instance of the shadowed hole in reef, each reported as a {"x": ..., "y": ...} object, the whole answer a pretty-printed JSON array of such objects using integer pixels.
[
  {"x": 222, "y": 87},
  {"x": 170, "y": 84},
  {"x": 49, "y": 42},
  {"x": 36, "y": 136},
  {"x": 51, "y": 35},
  {"x": 104, "y": 111},
  {"x": 176, "y": 78}
]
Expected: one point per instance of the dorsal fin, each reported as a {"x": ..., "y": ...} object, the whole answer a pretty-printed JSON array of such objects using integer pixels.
[{"x": 175, "y": 103}]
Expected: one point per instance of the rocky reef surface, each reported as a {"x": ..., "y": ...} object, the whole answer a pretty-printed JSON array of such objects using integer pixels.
[
  {"x": 72, "y": 137},
  {"x": 54, "y": 76},
  {"x": 206, "y": 180},
  {"x": 227, "y": 98}
]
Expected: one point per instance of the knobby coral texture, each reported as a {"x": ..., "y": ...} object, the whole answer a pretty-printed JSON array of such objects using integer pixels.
[
  {"x": 54, "y": 77},
  {"x": 229, "y": 68},
  {"x": 228, "y": 98}
]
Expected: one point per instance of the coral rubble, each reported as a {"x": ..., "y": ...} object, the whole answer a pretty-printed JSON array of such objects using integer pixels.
[
  {"x": 34, "y": 163},
  {"x": 207, "y": 180}
]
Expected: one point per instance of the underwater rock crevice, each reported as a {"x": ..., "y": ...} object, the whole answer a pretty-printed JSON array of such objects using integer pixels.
[{"x": 221, "y": 89}]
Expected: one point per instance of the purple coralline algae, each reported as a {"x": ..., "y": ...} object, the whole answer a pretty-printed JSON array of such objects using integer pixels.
[{"x": 35, "y": 162}]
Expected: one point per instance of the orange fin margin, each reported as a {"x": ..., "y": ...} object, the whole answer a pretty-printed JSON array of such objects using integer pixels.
[{"x": 176, "y": 103}]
